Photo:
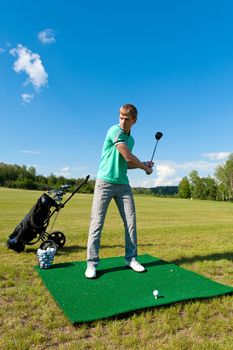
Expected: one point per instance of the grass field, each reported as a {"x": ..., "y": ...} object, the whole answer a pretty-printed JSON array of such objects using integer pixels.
[{"x": 197, "y": 235}]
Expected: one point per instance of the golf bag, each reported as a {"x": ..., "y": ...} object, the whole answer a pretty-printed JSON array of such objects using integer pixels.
[{"x": 33, "y": 224}]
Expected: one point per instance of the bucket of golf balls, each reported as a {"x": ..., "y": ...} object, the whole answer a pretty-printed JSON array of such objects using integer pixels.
[{"x": 45, "y": 257}]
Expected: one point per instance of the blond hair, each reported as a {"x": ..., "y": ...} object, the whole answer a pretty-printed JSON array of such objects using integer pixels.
[{"x": 129, "y": 109}]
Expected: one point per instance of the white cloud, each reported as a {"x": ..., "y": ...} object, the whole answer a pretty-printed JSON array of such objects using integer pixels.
[
  {"x": 170, "y": 173},
  {"x": 29, "y": 152},
  {"x": 198, "y": 165},
  {"x": 1, "y": 50},
  {"x": 166, "y": 176},
  {"x": 66, "y": 172},
  {"x": 27, "y": 98},
  {"x": 216, "y": 155},
  {"x": 31, "y": 64},
  {"x": 69, "y": 172},
  {"x": 47, "y": 36}
]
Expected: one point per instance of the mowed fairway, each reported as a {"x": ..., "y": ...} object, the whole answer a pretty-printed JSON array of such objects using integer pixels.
[{"x": 196, "y": 235}]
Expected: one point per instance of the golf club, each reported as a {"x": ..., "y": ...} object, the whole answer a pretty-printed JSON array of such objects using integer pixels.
[{"x": 158, "y": 136}]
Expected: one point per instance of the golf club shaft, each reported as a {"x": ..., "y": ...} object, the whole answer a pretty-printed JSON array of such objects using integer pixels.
[{"x": 154, "y": 151}]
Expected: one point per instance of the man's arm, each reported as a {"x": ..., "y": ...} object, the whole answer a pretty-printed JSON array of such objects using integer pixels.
[{"x": 133, "y": 162}]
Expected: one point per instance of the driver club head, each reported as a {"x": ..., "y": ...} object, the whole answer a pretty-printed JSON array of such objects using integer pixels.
[{"x": 158, "y": 135}]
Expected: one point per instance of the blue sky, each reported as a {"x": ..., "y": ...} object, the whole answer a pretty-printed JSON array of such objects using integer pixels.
[{"x": 66, "y": 67}]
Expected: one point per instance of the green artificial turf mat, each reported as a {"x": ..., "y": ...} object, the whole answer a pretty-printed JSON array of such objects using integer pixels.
[{"x": 118, "y": 290}]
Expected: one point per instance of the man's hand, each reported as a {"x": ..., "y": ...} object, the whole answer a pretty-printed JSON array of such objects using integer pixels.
[{"x": 149, "y": 167}]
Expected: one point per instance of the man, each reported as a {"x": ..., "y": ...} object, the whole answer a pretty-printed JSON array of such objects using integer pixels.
[{"x": 112, "y": 182}]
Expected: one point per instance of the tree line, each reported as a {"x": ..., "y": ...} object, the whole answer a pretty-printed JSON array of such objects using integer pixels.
[
  {"x": 15, "y": 176},
  {"x": 218, "y": 188},
  {"x": 159, "y": 191},
  {"x": 192, "y": 186}
]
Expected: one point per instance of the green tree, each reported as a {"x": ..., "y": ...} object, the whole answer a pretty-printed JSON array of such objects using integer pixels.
[
  {"x": 222, "y": 192},
  {"x": 23, "y": 173},
  {"x": 224, "y": 174},
  {"x": 25, "y": 183},
  {"x": 8, "y": 174},
  {"x": 202, "y": 187},
  {"x": 184, "y": 188},
  {"x": 211, "y": 188},
  {"x": 52, "y": 180},
  {"x": 32, "y": 173},
  {"x": 196, "y": 185}
]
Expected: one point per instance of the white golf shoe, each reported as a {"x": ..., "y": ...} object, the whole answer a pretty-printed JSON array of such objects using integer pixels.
[
  {"x": 135, "y": 265},
  {"x": 90, "y": 271}
]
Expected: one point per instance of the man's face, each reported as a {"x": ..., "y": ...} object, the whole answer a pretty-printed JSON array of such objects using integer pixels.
[{"x": 126, "y": 122}]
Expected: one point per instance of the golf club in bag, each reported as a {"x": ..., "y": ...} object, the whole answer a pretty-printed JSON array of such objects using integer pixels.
[{"x": 34, "y": 225}]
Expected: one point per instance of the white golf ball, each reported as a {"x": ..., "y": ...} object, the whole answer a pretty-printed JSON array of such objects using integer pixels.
[{"x": 155, "y": 293}]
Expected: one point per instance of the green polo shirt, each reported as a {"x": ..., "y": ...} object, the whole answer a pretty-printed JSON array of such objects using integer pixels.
[{"x": 113, "y": 167}]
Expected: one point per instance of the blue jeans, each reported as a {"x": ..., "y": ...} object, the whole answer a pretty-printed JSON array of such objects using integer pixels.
[{"x": 122, "y": 194}]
